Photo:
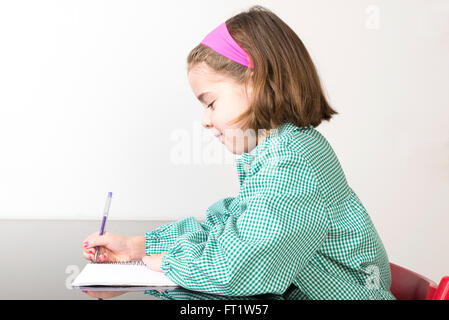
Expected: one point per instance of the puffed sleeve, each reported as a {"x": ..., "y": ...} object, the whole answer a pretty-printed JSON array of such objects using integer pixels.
[
  {"x": 162, "y": 238},
  {"x": 269, "y": 234}
]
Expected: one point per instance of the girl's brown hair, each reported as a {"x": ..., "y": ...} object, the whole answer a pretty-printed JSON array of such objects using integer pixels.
[{"x": 286, "y": 86}]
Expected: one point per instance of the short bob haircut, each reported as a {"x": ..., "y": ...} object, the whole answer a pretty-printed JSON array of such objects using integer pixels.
[{"x": 286, "y": 85}]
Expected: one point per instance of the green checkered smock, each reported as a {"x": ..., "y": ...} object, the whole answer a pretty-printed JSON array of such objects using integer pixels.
[{"x": 294, "y": 221}]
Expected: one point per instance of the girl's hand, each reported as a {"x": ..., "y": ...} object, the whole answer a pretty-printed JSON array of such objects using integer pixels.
[
  {"x": 113, "y": 247},
  {"x": 154, "y": 261}
]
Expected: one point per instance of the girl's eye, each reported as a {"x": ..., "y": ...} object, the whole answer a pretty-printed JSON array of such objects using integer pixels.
[{"x": 211, "y": 105}]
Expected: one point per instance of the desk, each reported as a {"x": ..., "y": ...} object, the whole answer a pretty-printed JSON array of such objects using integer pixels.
[{"x": 40, "y": 258}]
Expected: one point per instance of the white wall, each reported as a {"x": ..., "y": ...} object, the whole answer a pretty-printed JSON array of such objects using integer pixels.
[{"x": 94, "y": 98}]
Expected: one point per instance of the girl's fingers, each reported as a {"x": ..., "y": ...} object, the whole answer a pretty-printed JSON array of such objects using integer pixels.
[
  {"x": 89, "y": 253},
  {"x": 102, "y": 257},
  {"x": 88, "y": 256},
  {"x": 90, "y": 245},
  {"x": 95, "y": 240}
]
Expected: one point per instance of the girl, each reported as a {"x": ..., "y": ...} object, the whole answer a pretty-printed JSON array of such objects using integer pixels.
[{"x": 296, "y": 221}]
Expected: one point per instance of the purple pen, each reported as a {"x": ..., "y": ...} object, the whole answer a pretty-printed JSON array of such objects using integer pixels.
[{"x": 103, "y": 222}]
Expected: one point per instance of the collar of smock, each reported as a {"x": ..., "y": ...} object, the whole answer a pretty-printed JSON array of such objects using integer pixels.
[{"x": 248, "y": 157}]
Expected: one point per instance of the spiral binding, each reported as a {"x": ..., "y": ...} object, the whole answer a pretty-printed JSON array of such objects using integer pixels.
[{"x": 133, "y": 263}]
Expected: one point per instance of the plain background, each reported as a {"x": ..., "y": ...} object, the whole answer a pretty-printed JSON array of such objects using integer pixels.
[{"x": 94, "y": 97}]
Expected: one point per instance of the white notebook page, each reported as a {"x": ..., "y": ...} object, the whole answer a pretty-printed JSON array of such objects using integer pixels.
[{"x": 120, "y": 274}]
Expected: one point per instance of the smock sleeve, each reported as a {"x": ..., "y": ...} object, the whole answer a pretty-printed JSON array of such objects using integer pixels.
[
  {"x": 162, "y": 238},
  {"x": 265, "y": 238}
]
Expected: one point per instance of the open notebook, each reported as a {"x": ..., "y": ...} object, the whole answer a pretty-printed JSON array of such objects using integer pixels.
[{"x": 122, "y": 274}]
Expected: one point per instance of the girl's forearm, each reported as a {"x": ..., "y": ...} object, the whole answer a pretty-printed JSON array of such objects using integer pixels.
[{"x": 137, "y": 247}]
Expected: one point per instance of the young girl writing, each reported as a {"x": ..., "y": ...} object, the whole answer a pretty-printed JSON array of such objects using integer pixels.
[{"x": 296, "y": 221}]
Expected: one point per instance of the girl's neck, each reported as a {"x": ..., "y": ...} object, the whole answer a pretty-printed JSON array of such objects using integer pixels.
[{"x": 263, "y": 138}]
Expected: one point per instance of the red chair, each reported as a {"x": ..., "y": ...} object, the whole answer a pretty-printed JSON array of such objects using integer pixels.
[{"x": 408, "y": 285}]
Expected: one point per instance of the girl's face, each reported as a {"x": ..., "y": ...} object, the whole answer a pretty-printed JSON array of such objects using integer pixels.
[{"x": 223, "y": 100}]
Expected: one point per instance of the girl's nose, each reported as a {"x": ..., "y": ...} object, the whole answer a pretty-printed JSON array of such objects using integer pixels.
[{"x": 206, "y": 122}]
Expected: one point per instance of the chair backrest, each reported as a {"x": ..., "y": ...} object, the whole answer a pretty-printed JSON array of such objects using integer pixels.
[
  {"x": 408, "y": 285},
  {"x": 442, "y": 292}
]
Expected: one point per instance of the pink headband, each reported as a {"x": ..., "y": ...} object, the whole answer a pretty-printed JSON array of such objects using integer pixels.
[{"x": 221, "y": 41}]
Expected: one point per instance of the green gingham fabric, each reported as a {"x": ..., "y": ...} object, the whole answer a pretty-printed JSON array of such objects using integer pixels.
[{"x": 294, "y": 221}]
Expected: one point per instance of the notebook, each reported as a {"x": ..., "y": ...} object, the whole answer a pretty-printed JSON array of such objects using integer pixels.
[{"x": 122, "y": 274}]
